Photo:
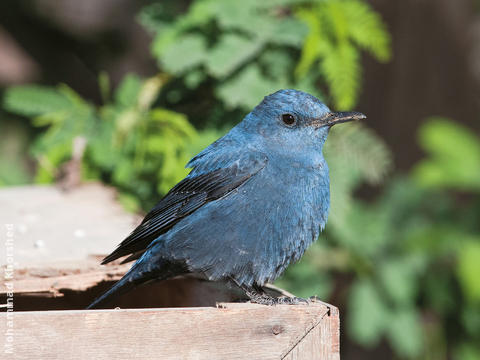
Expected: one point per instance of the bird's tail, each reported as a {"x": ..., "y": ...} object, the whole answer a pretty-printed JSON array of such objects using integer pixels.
[{"x": 142, "y": 271}]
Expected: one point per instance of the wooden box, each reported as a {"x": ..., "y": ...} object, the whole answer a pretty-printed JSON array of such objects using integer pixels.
[{"x": 51, "y": 272}]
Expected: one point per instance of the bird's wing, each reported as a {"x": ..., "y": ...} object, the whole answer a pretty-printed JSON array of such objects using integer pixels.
[{"x": 204, "y": 183}]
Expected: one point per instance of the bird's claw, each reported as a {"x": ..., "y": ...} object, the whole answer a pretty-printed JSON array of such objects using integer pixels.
[
  {"x": 284, "y": 300},
  {"x": 258, "y": 296},
  {"x": 264, "y": 299}
]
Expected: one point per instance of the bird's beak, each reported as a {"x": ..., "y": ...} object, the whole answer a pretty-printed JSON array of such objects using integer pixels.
[{"x": 339, "y": 117}]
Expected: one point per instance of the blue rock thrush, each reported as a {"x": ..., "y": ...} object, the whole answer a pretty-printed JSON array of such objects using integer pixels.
[{"x": 253, "y": 202}]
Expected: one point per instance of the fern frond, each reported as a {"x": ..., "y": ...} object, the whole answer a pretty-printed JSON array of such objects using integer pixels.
[
  {"x": 366, "y": 28},
  {"x": 363, "y": 150},
  {"x": 355, "y": 154},
  {"x": 335, "y": 24},
  {"x": 342, "y": 71},
  {"x": 312, "y": 46},
  {"x": 338, "y": 29}
]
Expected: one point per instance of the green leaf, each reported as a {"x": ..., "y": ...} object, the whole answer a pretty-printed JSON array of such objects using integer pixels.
[
  {"x": 333, "y": 12},
  {"x": 366, "y": 28},
  {"x": 157, "y": 144},
  {"x": 468, "y": 269},
  {"x": 276, "y": 64},
  {"x": 363, "y": 230},
  {"x": 173, "y": 121},
  {"x": 229, "y": 53},
  {"x": 33, "y": 100},
  {"x": 100, "y": 150},
  {"x": 152, "y": 17},
  {"x": 126, "y": 121},
  {"x": 398, "y": 278},
  {"x": 454, "y": 156},
  {"x": 404, "y": 332},
  {"x": 50, "y": 159},
  {"x": 467, "y": 351},
  {"x": 342, "y": 70},
  {"x": 129, "y": 202},
  {"x": 368, "y": 314},
  {"x": 314, "y": 44},
  {"x": 282, "y": 3},
  {"x": 288, "y": 31},
  {"x": 234, "y": 93},
  {"x": 338, "y": 29},
  {"x": 199, "y": 13},
  {"x": 240, "y": 15},
  {"x": 127, "y": 92},
  {"x": 124, "y": 172},
  {"x": 183, "y": 54}
]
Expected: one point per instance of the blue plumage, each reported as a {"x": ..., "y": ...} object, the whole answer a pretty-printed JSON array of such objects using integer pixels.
[{"x": 253, "y": 202}]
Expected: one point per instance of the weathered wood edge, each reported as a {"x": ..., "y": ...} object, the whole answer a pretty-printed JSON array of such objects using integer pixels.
[
  {"x": 311, "y": 317},
  {"x": 49, "y": 282},
  {"x": 314, "y": 323}
]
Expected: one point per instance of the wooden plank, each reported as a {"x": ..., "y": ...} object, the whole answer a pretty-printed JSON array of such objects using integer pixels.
[
  {"x": 321, "y": 342},
  {"x": 231, "y": 331},
  {"x": 52, "y": 281},
  {"x": 52, "y": 226}
]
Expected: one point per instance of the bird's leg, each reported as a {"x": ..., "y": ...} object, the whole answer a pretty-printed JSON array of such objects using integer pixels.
[
  {"x": 258, "y": 296},
  {"x": 286, "y": 300}
]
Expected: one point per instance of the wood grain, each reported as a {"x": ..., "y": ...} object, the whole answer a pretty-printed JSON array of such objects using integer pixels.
[
  {"x": 55, "y": 235},
  {"x": 231, "y": 331},
  {"x": 49, "y": 280},
  {"x": 51, "y": 225}
]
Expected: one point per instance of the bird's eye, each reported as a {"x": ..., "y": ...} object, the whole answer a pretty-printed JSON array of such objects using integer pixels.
[{"x": 288, "y": 119}]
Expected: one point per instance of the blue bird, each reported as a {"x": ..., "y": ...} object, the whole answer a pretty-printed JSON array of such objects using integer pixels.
[{"x": 253, "y": 202}]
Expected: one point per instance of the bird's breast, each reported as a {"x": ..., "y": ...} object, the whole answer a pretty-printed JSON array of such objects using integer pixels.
[{"x": 301, "y": 189}]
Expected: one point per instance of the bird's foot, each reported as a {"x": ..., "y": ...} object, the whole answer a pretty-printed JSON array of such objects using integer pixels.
[
  {"x": 257, "y": 295},
  {"x": 285, "y": 300},
  {"x": 264, "y": 299}
]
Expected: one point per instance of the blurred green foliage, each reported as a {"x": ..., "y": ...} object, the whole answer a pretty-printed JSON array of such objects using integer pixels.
[
  {"x": 337, "y": 30},
  {"x": 137, "y": 147},
  {"x": 455, "y": 156},
  {"x": 14, "y": 141},
  {"x": 405, "y": 265},
  {"x": 264, "y": 46}
]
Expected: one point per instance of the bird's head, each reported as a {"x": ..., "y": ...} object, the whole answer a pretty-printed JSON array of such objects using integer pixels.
[{"x": 295, "y": 120}]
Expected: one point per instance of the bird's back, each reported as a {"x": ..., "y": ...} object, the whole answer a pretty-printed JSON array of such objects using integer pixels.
[{"x": 255, "y": 231}]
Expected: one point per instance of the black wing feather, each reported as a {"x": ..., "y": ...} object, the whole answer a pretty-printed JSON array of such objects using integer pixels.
[{"x": 186, "y": 197}]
